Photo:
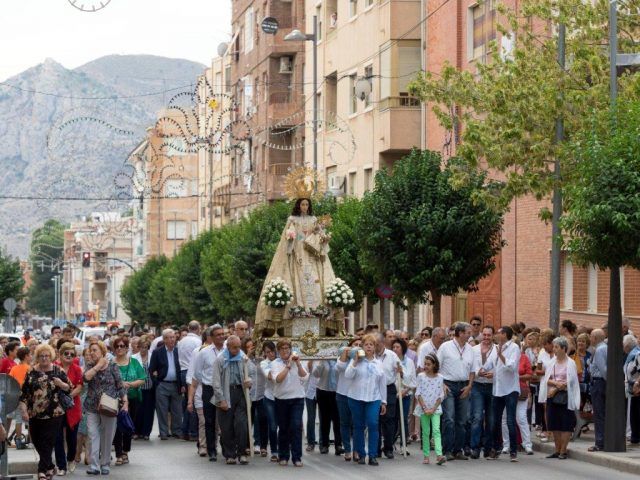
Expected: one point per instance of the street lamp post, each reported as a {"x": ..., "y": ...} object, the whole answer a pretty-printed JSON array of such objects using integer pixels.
[{"x": 297, "y": 36}]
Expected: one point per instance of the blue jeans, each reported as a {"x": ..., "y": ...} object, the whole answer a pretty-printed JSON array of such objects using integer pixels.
[
  {"x": 509, "y": 401},
  {"x": 365, "y": 415},
  {"x": 311, "y": 404},
  {"x": 345, "y": 421},
  {"x": 598, "y": 396},
  {"x": 455, "y": 411},
  {"x": 289, "y": 412},
  {"x": 260, "y": 428},
  {"x": 272, "y": 424},
  {"x": 70, "y": 435},
  {"x": 481, "y": 416}
]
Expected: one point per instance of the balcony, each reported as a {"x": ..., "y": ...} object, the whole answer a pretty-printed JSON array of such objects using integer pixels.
[
  {"x": 284, "y": 104},
  {"x": 100, "y": 276},
  {"x": 275, "y": 180},
  {"x": 399, "y": 127}
]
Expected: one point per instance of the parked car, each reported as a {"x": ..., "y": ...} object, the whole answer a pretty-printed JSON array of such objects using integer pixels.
[{"x": 84, "y": 333}]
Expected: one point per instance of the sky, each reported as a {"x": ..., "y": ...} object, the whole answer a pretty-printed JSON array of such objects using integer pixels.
[{"x": 32, "y": 30}]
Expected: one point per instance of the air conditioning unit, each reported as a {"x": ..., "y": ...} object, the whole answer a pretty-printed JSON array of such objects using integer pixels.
[{"x": 286, "y": 65}]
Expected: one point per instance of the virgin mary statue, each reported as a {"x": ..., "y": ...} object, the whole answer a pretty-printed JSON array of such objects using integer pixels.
[{"x": 301, "y": 258}]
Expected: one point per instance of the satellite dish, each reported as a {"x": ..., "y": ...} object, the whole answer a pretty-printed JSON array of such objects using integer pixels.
[
  {"x": 363, "y": 88},
  {"x": 222, "y": 49},
  {"x": 9, "y": 393}
]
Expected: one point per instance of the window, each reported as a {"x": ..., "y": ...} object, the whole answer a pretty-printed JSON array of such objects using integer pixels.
[
  {"x": 353, "y": 8},
  {"x": 352, "y": 183},
  {"x": 248, "y": 30},
  {"x": 368, "y": 75},
  {"x": 368, "y": 3},
  {"x": 175, "y": 188},
  {"x": 194, "y": 229},
  {"x": 265, "y": 86},
  {"x": 331, "y": 97},
  {"x": 227, "y": 79},
  {"x": 568, "y": 285},
  {"x": 218, "y": 87},
  {"x": 368, "y": 179},
  {"x": 398, "y": 64},
  {"x": 194, "y": 187},
  {"x": 248, "y": 96},
  {"x": 176, "y": 230},
  {"x": 481, "y": 29},
  {"x": 319, "y": 20},
  {"x": 353, "y": 100},
  {"x": 592, "y": 282}
]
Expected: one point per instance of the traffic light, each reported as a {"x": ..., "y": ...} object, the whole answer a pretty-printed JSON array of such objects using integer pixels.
[{"x": 86, "y": 259}]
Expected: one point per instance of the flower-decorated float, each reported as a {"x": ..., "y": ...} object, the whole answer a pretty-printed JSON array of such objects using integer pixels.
[{"x": 301, "y": 298}]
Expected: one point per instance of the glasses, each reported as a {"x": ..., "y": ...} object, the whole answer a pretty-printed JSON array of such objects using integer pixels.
[
  {"x": 44, "y": 355},
  {"x": 424, "y": 334},
  {"x": 475, "y": 324},
  {"x": 69, "y": 354},
  {"x": 117, "y": 347}
]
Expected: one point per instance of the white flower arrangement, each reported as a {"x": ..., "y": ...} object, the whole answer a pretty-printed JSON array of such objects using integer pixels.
[
  {"x": 339, "y": 294},
  {"x": 277, "y": 293}
]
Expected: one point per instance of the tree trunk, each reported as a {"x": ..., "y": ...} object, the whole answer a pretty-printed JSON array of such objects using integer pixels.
[
  {"x": 615, "y": 425},
  {"x": 436, "y": 301}
]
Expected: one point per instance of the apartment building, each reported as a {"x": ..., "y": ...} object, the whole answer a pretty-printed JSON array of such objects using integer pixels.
[
  {"x": 93, "y": 284},
  {"x": 459, "y": 32},
  {"x": 266, "y": 79}
]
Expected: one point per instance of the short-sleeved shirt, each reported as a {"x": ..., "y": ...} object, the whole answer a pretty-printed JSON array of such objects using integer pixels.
[
  {"x": 130, "y": 373},
  {"x": 430, "y": 389},
  {"x": 40, "y": 394},
  {"x": 106, "y": 381},
  {"x": 6, "y": 364}
]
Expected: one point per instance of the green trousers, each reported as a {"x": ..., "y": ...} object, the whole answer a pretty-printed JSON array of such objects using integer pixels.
[{"x": 429, "y": 424}]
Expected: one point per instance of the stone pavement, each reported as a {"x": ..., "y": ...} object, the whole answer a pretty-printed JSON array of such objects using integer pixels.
[{"x": 628, "y": 461}]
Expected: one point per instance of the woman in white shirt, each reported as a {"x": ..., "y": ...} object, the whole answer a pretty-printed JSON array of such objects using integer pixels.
[
  {"x": 288, "y": 390},
  {"x": 367, "y": 398},
  {"x": 269, "y": 353},
  {"x": 560, "y": 390},
  {"x": 408, "y": 375},
  {"x": 342, "y": 399}
]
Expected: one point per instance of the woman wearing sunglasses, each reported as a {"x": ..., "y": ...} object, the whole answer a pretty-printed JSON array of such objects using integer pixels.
[
  {"x": 133, "y": 377},
  {"x": 69, "y": 431}
]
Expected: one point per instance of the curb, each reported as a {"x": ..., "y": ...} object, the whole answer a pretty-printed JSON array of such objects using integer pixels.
[
  {"x": 23, "y": 468},
  {"x": 595, "y": 458}
]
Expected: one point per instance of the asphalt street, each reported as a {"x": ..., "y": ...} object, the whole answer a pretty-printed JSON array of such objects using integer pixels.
[{"x": 177, "y": 460}]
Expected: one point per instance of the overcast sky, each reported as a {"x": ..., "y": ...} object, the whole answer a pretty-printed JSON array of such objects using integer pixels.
[{"x": 32, "y": 30}]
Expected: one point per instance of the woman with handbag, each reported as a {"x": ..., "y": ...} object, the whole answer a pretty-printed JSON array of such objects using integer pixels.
[
  {"x": 68, "y": 434},
  {"x": 560, "y": 390},
  {"x": 105, "y": 393},
  {"x": 133, "y": 377},
  {"x": 41, "y": 405}
]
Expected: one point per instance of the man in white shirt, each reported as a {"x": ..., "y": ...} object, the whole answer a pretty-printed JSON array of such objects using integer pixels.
[
  {"x": 186, "y": 347},
  {"x": 484, "y": 360},
  {"x": 389, "y": 421},
  {"x": 506, "y": 390},
  {"x": 438, "y": 337},
  {"x": 476, "y": 329},
  {"x": 456, "y": 366},
  {"x": 203, "y": 374}
]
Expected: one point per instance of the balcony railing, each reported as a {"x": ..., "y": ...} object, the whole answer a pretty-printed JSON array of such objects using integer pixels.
[
  {"x": 399, "y": 102},
  {"x": 279, "y": 168}
]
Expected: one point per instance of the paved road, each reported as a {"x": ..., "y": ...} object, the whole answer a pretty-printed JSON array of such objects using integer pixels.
[{"x": 177, "y": 460}]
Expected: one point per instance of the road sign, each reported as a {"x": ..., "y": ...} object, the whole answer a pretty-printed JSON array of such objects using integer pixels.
[
  {"x": 269, "y": 25},
  {"x": 10, "y": 305}
]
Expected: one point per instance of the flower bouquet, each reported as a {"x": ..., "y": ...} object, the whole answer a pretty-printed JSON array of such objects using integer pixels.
[
  {"x": 320, "y": 311},
  {"x": 298, "y": 312},
  {"x": 277, "y": 293},
  {"x": 339, "y": 294}
]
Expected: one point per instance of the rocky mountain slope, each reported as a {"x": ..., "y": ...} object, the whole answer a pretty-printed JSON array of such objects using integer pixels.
[{"x": 66, "y": 133}]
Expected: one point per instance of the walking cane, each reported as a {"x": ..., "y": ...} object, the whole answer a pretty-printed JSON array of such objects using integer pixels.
[
  {"x": 247, "y": 400},
  {"x": 402, "y": 432}
]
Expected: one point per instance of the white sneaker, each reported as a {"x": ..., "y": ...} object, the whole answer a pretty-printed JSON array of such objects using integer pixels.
[
  {"x": 61, "y": 473},
  {"x": 71, "y": 467},
  {"x": 528, "y": 450},
  {"x": 505, "y": 450}
]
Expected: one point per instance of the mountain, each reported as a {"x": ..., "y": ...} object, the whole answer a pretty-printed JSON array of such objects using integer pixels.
[{"x": 66, "y": 133}]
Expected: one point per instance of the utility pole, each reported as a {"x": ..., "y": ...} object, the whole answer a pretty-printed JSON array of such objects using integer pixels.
[
  {"x": 554, "y": 296},
  {"x": 615, "y": 426}
]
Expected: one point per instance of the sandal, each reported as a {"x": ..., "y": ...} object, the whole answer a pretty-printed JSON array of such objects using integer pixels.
[
  {"x": 441, "y": 460},
  {"x": 426, "y": 461},
  {"x": 283, "y": 463},
  {"x": 231, "y": 461},
  {"x": 594, "y": 448},
  {"x": 118, "y": 461},
  {"x": 263, "y": 452},
  {"x": 125, "y": 458},
  {"x": 42, "y": 476},
  {"x": 274, "y": 458},
  {"x": 347, "y": 457}
]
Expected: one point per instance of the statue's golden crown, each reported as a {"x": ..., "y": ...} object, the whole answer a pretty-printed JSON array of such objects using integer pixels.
[{"x": 303, "y": 182}]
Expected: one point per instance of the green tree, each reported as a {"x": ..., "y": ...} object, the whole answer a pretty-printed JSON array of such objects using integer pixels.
[
  {"x": 135, "y": 292},
  {"x": 164, "y": 298},
  {"x": 46, "y": 255},
  {"x": 345, "y": 250},
  {"x": 424, "y": 237},
  {"x": 602, "y": 225},
  {"x": 505, "y": 111},
  {"x": 11, "y": 280}
]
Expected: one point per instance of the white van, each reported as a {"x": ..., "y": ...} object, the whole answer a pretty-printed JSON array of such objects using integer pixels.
[{"x": 84, "y": 333}]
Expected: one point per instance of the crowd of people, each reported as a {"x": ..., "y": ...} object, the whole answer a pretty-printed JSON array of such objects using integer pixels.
[{"x": 466, "y": 391}]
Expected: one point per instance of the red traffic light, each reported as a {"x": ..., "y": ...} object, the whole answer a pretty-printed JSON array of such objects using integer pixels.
[{"x": 86, "y": 259}]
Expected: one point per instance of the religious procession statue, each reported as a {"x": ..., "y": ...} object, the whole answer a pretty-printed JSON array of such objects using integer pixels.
[{"x": 301, "y": 297}]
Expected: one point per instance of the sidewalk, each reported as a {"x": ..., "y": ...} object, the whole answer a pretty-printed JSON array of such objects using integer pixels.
[
  {"x": 628, "y": 461},
  {"x": 22, "y": 461}
]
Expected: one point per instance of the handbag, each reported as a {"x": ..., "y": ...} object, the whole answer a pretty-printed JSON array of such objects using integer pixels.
[
  {"x": 108, "y": 406},
  {"x": 65, "y": 400},
  {"x": 524, "y": 393},
  {"x": 556, "y": 396},
  {"x": 125, "y": 424}
]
